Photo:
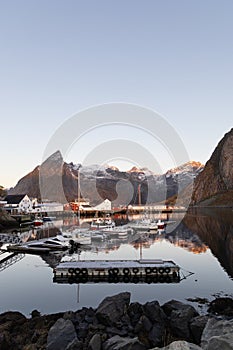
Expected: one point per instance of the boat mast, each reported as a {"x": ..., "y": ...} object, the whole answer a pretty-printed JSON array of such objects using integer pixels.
[
  {"x": 139, "y": 194},
  {"x": 78, "y": 196}
]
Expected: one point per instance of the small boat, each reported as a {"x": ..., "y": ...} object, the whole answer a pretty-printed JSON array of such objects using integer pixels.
[
  {"x": 99, "y": 224},
  {"x": 98, "y": 235},
  {"x": 53, "y": 243},
  {"x": 144, "y": 225},
  {"x": 160, "y": 224},
  {"x": 24, "y": 248},
  {"x": 48, "y": 218},
  {"x": 37, "y": 222},
  {"x": 80, "y": 236},
  {"x": 119, "y": 231}
]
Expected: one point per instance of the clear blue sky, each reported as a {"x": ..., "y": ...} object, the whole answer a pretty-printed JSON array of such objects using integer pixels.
[{"x": 59, "y": 57}]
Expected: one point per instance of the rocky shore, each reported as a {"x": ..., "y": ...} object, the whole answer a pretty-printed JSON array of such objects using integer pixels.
[{"x": 118, "y": 324}]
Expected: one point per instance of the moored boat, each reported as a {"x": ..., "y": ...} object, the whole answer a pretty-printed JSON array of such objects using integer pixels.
[
  {"x": 49, "y": 218},
  {"x": 53, "y": 243},
  {"x": 37, "y": 222},
  {"x": 78, "y": 235},
  {"x": 160, "y": 224},
  {"x": 25, "y": 248},
  {"x": 99, "y": 224}
]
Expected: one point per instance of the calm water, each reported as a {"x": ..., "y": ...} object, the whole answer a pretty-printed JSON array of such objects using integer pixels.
[{"x": 202, "y": 243}]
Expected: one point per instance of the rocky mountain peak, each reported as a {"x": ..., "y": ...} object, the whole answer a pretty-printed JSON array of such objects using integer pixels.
[
  {"x": 135, "y": 169},
  {"x": 186, "y": 167},
  {"x": 55, "y": 157},
  {"x": 214, "y": 185}
]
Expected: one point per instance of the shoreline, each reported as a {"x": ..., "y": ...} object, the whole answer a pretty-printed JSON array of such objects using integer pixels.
[{"x": 117, "y": 323}]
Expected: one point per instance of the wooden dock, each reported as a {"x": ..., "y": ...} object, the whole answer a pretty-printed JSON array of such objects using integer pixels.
[{"x": 114, "y": 271}]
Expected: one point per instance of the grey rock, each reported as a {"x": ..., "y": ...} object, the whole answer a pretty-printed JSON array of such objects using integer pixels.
[
  {"x": 197, "y": 325},
  {"x": 60, "y": 335},
  {"x": 224, "y": 342},
  {"x": 173, "y": 305},
  {"x": 180, "y": 345},
  {"x": 82, "y": 330},
  {"x": 69, "y": 315},
  {"x": 95, "y": 342},
  {"x": 221, "y": 306},
  {"x": 135, "y": 311},
  {"x": 156, "y": 335},
  {"x": 35, "y": 313},
  {"x": 180, "y": 316},
  {"x": 75, "y": 345},
  {"x": 111, "y": 309},
  {"x": 221, "y": 329},
  {"x": 115, "y": 331},
  {"x": 154, "y": 312},
  {"x": 119, "y": 343},
  {"x": 143, "y": 325}
]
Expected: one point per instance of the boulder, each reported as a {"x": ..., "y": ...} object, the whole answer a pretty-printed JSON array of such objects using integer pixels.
[
  {"x": 218, "y": 333},
  {"x": 60, "y": 335},
  {"x": 180, "y": 315},
  {"x": 135, "y": 311},
  {"x": 119, "y": 343},
  {"x": 144, "y": 324},
  {"x": 221, "y": 306},
  {"x": 75, "y": 345},
  {"x": 12, "y": 316},
  {"x": 82, "y": 330},
  {"x": 197, "y": 325},
  {"x": 95, "y": 342},
  {"x": 111, "y": 309},
  {"x": 5, "y": 341},
  {"x": 154, "y": 312},
  {"x": 224, "y": 342},
  {"x": 35, "y": 313},
  {"x": 156, "y": 335},
  {"x": 179, "y": 345}
]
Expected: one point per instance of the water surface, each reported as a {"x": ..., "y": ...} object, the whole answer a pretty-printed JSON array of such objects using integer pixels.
[{"x": 202, "y": 244}]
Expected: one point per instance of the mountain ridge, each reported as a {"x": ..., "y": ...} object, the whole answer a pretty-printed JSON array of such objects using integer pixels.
[{"x": 101, "y": 182}]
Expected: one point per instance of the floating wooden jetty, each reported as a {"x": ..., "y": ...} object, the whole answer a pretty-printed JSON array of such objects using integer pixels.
[{"x": 135, "y": 271}]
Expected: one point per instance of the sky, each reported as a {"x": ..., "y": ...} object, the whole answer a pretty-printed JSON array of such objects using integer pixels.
[{"x": 62, "y": 57}]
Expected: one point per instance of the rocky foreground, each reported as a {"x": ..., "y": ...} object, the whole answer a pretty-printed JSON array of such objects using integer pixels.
[{"x": 118, "y": 324}]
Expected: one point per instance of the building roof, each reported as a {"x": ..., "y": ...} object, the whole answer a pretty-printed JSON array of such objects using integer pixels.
[{"x": 14, "y": 198}]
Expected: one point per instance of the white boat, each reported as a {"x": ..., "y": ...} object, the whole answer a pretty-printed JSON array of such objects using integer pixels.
[
  {"x": 99, "y": 224},
  {"x": 98, "y": 235},
  {"x": 80, "y": 236},
  {"x": 54, "y": 243},
  {"x": 144, "y": 225},
  {"x": 24, "y": 248},
  {"x": 118, "y": 230}
]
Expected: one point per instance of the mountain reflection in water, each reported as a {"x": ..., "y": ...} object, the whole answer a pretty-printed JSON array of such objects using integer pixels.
[{"x": 215, "y": 228}]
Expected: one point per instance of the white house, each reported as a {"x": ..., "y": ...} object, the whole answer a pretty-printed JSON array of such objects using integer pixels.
[
  {"x": 106, "y": 205},
  {"x": 18, "y": 204}
]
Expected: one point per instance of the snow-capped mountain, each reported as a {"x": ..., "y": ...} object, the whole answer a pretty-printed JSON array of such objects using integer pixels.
[{"x": 98, "y": 182}]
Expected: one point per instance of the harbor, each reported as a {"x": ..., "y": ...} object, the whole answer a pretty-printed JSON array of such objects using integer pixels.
[{"x": 45, "y": 276}]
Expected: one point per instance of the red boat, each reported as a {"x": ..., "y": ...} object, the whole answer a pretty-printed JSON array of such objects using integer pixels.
[{"x": 37, "y": 222}]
